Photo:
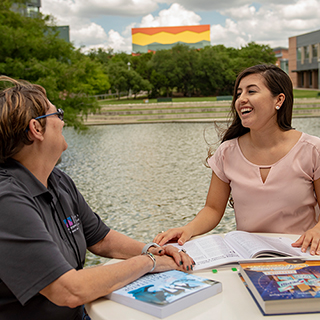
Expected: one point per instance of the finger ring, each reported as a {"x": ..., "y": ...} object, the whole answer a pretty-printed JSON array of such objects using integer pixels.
[
  {"x": 162, "y": 231},
  {"x": 182, "y": 250}
]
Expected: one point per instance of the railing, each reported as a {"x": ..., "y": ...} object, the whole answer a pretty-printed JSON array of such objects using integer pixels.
[
  {"x": 110, "y": 95},
  {"x": 224, "y": 98},
  {"x": 167, "y": 99}
]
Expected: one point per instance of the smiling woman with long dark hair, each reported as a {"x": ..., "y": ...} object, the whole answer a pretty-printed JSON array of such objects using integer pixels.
[{"x": 271, "y": 170}]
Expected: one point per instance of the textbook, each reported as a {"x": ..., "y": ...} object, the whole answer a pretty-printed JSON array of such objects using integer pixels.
[
  {"x": 165, "y": 293},
  {"x": 284, "y": 287},
  {"x": 214, "y": 250}
]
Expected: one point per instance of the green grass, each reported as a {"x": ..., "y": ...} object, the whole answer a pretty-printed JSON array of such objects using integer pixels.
[
  {"x": 169, "y": 108},
  {"x": 298, "y": 93},
  {"x": 136, "y": 101}
]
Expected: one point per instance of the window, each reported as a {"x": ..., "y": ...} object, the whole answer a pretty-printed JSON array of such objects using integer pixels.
[
  {"x": 306, "y": 52},
  {"x": 284, "y": 65},
  {"x": 314, "y": 51},
  {"x": 298, "y": 53},
  {"x": 32, "y": 12}
]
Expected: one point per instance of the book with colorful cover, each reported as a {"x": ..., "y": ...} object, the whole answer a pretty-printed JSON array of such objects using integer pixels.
[
  {"x": 165, "y": 293},
  {"x": 284, "y": 287}
]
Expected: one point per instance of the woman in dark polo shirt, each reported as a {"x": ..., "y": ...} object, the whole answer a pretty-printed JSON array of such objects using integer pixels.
[{"x": 46, "y": 225}]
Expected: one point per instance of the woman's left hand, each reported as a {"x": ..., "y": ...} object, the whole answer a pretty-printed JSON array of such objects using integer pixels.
[
  {"x": 181, "y": 257},
  {"x": 312, "y": 238}
]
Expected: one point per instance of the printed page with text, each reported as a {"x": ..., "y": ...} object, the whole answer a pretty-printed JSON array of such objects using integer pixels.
[{"x": 216, "y": 250}]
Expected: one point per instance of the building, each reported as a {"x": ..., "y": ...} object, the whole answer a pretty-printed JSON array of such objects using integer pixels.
[
  {"x": 30, "y": 9},
  {"x": 64, "y": 32},
  {"x": 153, "y": 39},
  {"x": 282, "y": 55},
  {"x": 304, "y": 60}
]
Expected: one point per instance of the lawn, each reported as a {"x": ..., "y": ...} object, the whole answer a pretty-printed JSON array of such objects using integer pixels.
[
  {"x": 298, "y": 93},
  {"x": 138, "y": 100}
]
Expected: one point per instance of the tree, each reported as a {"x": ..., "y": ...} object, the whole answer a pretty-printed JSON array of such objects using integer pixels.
[
  {"x": 253, "y": 54},
  {"x": 101, "y": 55},
  {"x": 137, "y": 83},
  {"x": 163, "y": 75},
  {"x": 123, "y": 79},
  {"x": 142, "y": 64},
  {"x": 215, "y": 75},
  {"x": 186, "y": 64},
  {"x": 118, "y": 75},
  {"x": 30, "y": 49}
]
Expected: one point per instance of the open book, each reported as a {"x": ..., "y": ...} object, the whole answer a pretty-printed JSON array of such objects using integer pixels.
[{"x": 214, "y": 250}]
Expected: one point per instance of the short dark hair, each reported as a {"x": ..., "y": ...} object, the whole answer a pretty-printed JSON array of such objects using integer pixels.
[
  {"x": 277, "y": 81},
  {"x": 18, "y": 105}
]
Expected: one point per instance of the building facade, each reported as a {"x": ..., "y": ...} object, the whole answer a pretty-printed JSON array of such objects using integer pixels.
[
  {"x": 282, "y": 55},
  {"x": 304, "y": 60},
  {"x": 64, "y": 32},
  {"x": 30, "y": 9},
  {"x": 158, "y": 38}
]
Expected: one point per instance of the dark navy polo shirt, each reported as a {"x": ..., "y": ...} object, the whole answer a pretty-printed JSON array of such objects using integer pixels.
[{"x": 43, "y": 234}]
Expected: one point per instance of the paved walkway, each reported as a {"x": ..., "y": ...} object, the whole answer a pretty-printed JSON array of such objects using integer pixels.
[{"x": 207, "y": 111}]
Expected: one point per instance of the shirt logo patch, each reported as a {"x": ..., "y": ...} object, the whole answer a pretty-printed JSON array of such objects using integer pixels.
[
  {"x": 68, "y": 222},
  {"x": 72, "y": 223}
]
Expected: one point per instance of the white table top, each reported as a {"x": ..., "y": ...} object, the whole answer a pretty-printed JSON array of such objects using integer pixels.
[{"x": 233, "y": 303}]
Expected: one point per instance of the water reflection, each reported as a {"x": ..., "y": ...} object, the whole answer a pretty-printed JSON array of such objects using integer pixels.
[{"x": 145, "y": 178}]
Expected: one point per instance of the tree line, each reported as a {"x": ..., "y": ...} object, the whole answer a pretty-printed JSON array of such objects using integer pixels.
[
  {"x": 181, "y": 70},
  {"x": 30, "y": 49}
]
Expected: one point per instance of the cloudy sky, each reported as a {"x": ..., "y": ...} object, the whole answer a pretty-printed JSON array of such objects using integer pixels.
[{"x": 234, "y": 23}]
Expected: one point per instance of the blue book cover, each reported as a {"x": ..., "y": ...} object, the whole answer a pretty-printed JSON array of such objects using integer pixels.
[{"x": 162, "y": 294}]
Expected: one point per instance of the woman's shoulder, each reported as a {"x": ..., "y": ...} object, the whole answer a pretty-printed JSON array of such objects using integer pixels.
[
  {"x": 229, "y": 143},
  {"x": 226, "y": 147},
  {"x": 310, "y": 140}
]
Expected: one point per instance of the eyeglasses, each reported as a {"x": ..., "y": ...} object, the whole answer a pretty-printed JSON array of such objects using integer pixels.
[{"x": 59, "y": 113}]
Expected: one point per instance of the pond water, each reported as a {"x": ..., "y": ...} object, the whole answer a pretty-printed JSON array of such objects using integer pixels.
[{"x": 145, "y": 178}]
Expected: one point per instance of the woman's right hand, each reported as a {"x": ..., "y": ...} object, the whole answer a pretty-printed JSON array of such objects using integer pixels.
[
  {"x": 166, "y": 263},
  {"x": 181, "y": 235}
]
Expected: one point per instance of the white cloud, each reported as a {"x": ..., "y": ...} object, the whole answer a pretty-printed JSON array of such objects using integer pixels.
[
  {"x": 176, "y": 15},
  {"x": 96, "y": 8},
  {"x": 263, "y": 21},
  {"x": 113, "y": 41},
  {"x": 271, "y": 24},
  {"x": 91, "y": 34},
  {"x": 207, "y": 5},
  {"x": 127, "y": 31},
  {"x": 119, "y": 43},
  {"x": 230, "y": 35},
  {"x": 302, "y": 10},
  {"x": 245, "y": 12},
  {"x": 216, "y": 5}
]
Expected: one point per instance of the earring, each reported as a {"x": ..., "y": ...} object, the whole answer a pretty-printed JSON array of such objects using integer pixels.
[{"x": 277, "y": 107}]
